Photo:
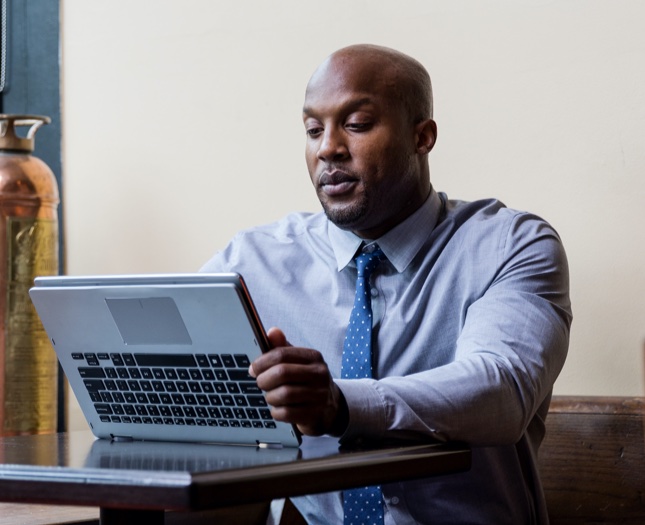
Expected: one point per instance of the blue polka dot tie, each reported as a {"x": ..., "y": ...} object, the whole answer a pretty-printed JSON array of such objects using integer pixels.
[{"x": 363, "y": 506}]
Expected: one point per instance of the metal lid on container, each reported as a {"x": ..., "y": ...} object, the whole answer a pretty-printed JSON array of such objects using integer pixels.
[{"x": 10, "y": 140}]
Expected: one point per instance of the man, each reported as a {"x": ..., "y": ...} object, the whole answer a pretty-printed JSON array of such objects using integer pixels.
[{"x": 470, "y": 306}]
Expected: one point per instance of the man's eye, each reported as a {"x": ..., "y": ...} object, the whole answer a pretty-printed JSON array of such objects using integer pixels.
[
  {"x": 359, "y": 126},
  {"x": 314, "y": 132}
]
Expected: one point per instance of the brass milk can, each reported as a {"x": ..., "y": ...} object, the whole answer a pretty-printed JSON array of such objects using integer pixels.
[{"x": 28, "y": 248}]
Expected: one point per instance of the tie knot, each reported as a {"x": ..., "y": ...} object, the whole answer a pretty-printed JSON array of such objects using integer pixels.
[{"x": 368, "y": 261}]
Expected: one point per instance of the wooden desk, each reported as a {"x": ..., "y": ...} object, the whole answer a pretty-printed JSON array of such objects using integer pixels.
[{"x": 132, "y": 481}]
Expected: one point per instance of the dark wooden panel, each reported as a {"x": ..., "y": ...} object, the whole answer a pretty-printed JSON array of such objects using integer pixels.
[{"x": 593, "y": 460}]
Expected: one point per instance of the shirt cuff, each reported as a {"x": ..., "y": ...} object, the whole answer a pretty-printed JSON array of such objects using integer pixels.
[{"x": 366, "y": 410}]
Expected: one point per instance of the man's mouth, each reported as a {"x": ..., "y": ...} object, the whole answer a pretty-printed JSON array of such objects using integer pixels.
[{"x": 336, "y": 182}]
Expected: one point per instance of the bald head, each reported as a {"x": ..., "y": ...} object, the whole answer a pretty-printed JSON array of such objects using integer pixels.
[{"x": 404, "y": 79}]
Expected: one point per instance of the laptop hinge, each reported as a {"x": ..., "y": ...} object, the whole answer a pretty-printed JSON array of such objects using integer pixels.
[{"x": 270, "y": 444}]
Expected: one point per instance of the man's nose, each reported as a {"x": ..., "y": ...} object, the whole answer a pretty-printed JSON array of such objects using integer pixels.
[{"x": 332, "y": 146}]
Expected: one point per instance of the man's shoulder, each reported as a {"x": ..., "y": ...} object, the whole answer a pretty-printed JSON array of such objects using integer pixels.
[
  {"x": 289, "y": 228},
  {"x": 491, "y": 211}
]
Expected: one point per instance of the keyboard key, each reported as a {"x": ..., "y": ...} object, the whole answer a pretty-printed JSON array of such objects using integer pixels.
[
  {"x": 250, "y": 388},
  {"x": 257, "y": 401},
  {"x": 228, "y": 361},
  {"x": 240, "y": 375},
  {"x": 233, "y": 388},
  {"x": 242, "y": 361},
  {"x": 94, "y": 385},
  {"x": 91, "y": 359},
  {"x": 215, "y": 400},
  {"x": 117, "y": 360},
  {"x": 166, "y": 360},
  {"x": 102, "y": 408},
  {"x": 202, "y": 360},
  {"x": 216, "y": 362},
  {"x": 128, "y": 359},
  {"x": 202, "y": 400},
  {"x": 165, "y": 399},
  {"x": 91, "y": 373}
]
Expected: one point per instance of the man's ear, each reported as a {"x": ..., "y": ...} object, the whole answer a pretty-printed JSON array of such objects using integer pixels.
[{"x": 425, "y": 135}]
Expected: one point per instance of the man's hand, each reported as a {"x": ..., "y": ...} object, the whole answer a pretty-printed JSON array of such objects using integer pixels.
[{"x": 300, "y": 388}]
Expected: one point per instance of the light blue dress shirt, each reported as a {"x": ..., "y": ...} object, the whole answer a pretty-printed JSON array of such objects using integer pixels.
[{"x": 471, "y": 329}]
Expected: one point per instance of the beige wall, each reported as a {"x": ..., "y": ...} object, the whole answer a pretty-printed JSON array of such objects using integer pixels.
[{"x": 182, "y": 125}]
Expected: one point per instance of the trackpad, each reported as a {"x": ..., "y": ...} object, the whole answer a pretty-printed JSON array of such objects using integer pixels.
[{"x": 149, "y": 321}]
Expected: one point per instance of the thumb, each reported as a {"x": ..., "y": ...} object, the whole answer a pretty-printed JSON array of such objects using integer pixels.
[{"x": 277, "y": 338}]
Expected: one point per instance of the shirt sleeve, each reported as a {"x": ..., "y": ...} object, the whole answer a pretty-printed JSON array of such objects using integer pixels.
[{"x": 509, "y": 352}]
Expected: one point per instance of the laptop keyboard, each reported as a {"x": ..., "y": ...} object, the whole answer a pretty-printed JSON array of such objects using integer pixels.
[{"x": 174, "y": 389}]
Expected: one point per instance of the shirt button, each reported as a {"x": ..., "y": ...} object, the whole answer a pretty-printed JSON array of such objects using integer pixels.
[
  {"x": 374, "y": 292},
  {"x": 394, "y": 501}
]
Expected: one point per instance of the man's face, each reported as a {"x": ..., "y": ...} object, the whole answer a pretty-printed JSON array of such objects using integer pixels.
[{"x": 361, "y": 150}]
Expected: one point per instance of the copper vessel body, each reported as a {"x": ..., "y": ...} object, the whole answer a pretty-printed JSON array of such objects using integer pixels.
[{"x": 29, "y": 200}]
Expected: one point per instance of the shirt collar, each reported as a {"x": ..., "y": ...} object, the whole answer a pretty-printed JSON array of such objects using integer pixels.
[{"x": 399, "y": 245}]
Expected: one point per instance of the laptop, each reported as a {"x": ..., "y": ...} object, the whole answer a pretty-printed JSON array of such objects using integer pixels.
[{"x": 162, "y": 357}]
